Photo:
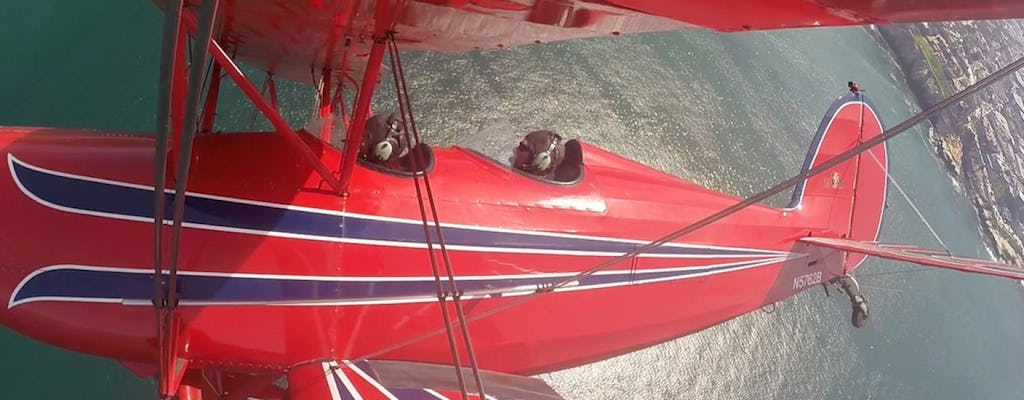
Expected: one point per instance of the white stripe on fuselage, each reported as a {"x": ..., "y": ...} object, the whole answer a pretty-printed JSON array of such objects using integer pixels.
[
  {"x": 707, "y": 270},
  {"x": 12, "y": 160}
]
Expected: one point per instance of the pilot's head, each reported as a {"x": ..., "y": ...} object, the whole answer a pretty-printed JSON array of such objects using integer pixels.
[
  {"x": 382, "y": 138},
  {"x": 538, "y": 153}
]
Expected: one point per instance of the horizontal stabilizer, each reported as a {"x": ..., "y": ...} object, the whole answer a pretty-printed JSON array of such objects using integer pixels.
[{"x": 920, "y": 255}]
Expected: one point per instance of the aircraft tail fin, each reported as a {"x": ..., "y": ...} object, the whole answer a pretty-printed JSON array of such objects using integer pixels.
[{"x": 846, "y": 200}]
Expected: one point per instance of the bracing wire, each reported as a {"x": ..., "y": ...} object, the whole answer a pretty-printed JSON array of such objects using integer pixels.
[{"x": 912, "y": 205}]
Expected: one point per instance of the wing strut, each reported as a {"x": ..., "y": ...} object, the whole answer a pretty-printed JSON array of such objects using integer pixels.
[
  {"x": 733, "y": 209},
  {"x": 361, "y": 112},
  {"x": 280, "y": 125},
  {"x": 409, "y": 126},
  {"x": 173, "y": 96},
  {"x": 210, "y": 111}
]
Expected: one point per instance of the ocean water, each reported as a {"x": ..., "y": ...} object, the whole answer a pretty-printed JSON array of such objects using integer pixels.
[{"x": 731, "y": 112}]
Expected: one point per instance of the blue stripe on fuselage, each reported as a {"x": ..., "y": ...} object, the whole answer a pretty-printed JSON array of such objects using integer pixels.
[
  {"x": 111, "y": 199},
  {"x": 135, "y": 286}
]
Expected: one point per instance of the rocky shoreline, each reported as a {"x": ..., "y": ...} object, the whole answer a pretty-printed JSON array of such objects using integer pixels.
[{"x": 981, "y": 140}]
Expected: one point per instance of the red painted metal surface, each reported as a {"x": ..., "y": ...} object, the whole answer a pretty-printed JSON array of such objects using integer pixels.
[
  {"x": 616, "y": 198},
  {"x": 186, "y": 392},
  {"x": 270, "y": 259},
  {"x": 311, "y": 382}
]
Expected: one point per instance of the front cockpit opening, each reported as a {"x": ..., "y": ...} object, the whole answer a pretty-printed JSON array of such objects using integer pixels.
[
  {"x": 384, "y": 148},
  {"x": 405, "y": 165}
]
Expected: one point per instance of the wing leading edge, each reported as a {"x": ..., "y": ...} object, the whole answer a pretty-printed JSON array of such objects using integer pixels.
[{"x": 919, "y": 255}]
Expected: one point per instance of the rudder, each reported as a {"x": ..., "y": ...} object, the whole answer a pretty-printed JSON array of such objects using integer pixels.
[{"x": 848, "y": 199}]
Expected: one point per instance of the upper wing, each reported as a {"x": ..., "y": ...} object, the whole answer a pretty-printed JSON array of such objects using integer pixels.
[
  {"x": 736, "y": 15},
  {"x": 296, "y": 39},
  {"x": 921, "y": 256}
]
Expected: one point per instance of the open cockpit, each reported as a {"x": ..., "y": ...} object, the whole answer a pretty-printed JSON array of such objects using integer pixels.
[
  {"x": 541, "y": 155},
  {"x": 417, "y": 161}
]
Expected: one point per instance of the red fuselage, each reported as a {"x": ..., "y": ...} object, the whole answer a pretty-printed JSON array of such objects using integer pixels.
[{"x": 275, "y": 270}]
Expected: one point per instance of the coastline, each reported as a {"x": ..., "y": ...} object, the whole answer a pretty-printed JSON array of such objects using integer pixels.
[{"x": 974, "y": 139}]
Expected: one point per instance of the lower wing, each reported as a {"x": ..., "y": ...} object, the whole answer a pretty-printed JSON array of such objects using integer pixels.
[{"x": 401, "y": 380}]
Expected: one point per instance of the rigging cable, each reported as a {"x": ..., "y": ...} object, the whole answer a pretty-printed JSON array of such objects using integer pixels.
[
  {"x": 853, "y": 152},
  {"x": 897, "y": 184},
  {"x": 419, "y": 167},
  {"x": 913, "y": 206}
]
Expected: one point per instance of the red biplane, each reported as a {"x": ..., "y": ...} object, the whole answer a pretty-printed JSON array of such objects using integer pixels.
[{"x": 274, "y": 265}]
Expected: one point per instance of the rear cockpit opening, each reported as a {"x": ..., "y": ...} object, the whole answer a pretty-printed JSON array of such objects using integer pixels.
[
  {"x": 541, "y": 155},
  {"x": 570, "y": 170}
]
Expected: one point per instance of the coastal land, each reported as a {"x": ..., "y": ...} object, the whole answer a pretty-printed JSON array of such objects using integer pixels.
[{"x": 981, "y": 139}]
